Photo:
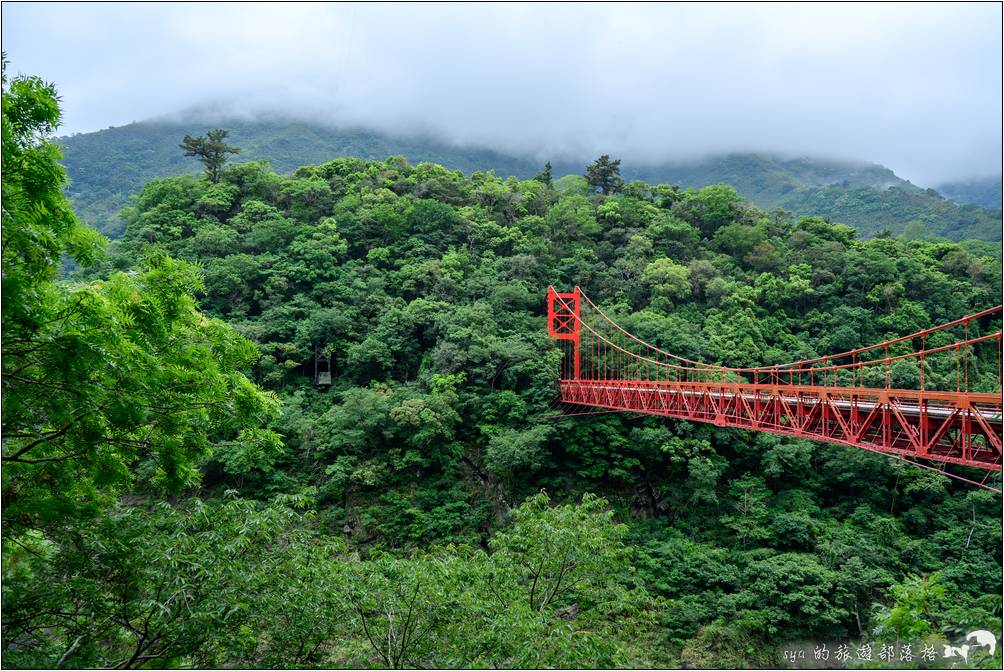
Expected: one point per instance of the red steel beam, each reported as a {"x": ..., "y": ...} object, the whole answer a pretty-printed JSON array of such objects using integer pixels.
[
  {"x": 958, "y": 427},
  {"x": 961, "y": 428}
]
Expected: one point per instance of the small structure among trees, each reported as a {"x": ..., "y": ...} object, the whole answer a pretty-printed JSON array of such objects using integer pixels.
[{"x": 322, "y": 369}]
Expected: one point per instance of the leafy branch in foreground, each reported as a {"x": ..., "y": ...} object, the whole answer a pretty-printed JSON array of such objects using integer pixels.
[{"x": 106, "y": 382}]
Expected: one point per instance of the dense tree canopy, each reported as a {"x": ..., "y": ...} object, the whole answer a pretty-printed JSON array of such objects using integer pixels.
[
  {"x": 424, "y": 285},
  {"x": 179, "y": 515}
]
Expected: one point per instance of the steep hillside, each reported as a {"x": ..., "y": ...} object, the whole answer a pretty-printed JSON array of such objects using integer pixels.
[
  {"x": 424, "y": 287},
  {"x": 768, "y": 179},
  {"x": 108, "y": 166},
  {"x": 984, "y": 192},
  {"x": 898, "y": 209}
]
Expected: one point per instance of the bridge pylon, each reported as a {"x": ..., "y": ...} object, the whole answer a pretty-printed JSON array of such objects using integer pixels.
[{"x": 563, "y": 322}]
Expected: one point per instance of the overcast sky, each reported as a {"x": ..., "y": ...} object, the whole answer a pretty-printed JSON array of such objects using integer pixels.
[{"x": 916, "y": 87}]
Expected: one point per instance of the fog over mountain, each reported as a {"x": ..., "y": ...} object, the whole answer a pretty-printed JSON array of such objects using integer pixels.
[{"x": 914, "y": 87}]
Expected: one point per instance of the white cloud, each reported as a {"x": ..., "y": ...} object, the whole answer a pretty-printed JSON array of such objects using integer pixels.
[{"x": 916, "y": 87}]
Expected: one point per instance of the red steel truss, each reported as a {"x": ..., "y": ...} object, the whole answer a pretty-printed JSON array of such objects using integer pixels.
[{"x": 934, "y": 395}]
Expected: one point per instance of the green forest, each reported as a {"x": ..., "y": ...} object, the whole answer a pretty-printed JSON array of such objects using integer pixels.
[
  {"x": 177, "y": 491},
  {"x": 868, "y": 197}
]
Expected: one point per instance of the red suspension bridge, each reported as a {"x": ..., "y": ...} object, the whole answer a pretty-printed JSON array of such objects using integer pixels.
[{"x": 932, "y": 395}]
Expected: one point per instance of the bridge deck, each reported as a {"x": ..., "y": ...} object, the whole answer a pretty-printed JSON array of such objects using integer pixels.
[
  {"x": 953, "y": 427},
  {"x": 820, "y": 398}
]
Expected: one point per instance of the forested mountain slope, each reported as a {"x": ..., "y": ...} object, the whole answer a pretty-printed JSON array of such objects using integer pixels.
[
  {"x": 179, "y": 493},
  {"x": 425, "y": 287},
  {"x": 108, "y": 166}
]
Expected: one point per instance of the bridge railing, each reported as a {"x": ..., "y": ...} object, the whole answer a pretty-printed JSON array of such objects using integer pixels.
[{"x": 963, "y": 355}]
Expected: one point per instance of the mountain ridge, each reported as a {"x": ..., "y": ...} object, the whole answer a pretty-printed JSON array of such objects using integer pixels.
[{"x": 868, "y": 196}]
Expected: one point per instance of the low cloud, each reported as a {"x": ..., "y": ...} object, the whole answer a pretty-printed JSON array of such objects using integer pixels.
[{"x": 916, "y": 87}]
